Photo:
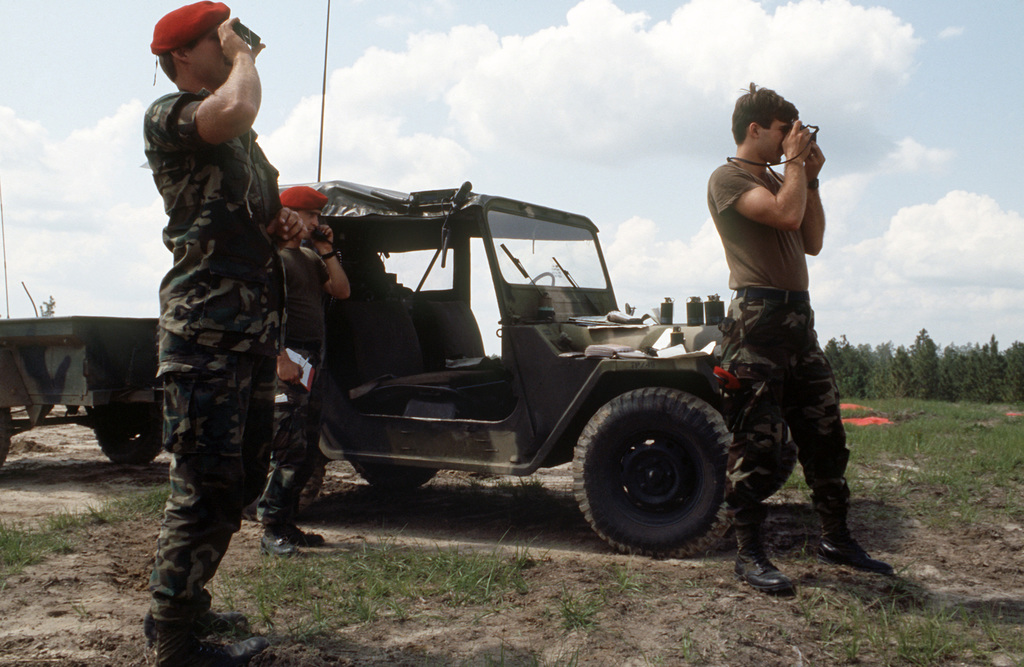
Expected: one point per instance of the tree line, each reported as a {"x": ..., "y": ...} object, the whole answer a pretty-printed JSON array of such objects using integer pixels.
[{"x": 980, "y": 373}]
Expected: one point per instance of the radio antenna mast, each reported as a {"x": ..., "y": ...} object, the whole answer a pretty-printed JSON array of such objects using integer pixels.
[{"x": 323, "y": 94}]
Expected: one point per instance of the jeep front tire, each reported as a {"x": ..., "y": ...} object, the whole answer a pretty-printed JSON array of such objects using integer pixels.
[{"x": 649, "y": 472}]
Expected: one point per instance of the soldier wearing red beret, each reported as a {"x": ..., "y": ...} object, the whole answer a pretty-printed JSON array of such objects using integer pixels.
[
  {"x": 311, "y": 273},
  {"x": 221, "y": 318}
]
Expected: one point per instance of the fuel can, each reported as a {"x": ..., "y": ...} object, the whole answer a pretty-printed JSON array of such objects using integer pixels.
[
  {"x": 666, "y": 311},
  {"x": 694, "y": 312},
  {"x": 714, "y": 310}
]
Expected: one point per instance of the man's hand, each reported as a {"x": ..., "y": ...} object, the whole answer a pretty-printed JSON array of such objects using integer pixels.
[
  {"x": 232, "y": 45},
  {"x": 794, "y": 144},
  {"x": 288, "y": 370},
  {"x": 286, "y": 224},
  {"x": 324, "y": 247},
  {"x": 814, "y": 162}
]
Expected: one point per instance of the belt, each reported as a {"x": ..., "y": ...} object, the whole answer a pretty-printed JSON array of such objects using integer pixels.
[{"x": 772, "y": 294}]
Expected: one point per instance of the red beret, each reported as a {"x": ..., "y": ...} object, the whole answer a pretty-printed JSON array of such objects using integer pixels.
[
  {"x": 303, "y": 198},
  {"x": 186, "y": 24}
]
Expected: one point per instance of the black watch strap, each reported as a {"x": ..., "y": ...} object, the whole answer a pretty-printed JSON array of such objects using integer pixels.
[{"x": 812, "y": 184}]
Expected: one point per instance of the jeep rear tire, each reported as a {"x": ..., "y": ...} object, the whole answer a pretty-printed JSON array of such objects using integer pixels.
[
  {"x": 393, "y": 478},
  {"x": 128, "y": 432},
  {"x": 649, "y": 472}
]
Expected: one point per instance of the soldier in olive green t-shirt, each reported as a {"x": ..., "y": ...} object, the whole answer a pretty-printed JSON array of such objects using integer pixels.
[{"x": 786, "y": 390}]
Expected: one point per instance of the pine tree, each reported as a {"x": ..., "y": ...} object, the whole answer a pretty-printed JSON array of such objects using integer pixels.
[{"x": 924, "y": 361}]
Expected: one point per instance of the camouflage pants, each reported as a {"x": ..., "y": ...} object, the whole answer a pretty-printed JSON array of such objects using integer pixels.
[
  {"x": 296, "y": 440},
  {"x": 218, "y": 423},
  {"x": 787, "y": 390}
]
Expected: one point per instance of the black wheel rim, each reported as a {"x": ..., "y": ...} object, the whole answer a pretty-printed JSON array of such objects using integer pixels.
[{"x": 657, "y": 474}]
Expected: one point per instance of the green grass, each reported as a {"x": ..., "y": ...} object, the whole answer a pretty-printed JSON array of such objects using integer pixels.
[
  {"x": 902, "y": 625},
  {"x": 955, "y": 463},
  {"x": 21, "y": 547},
  {"x": 312, "y": 595},
  {"x": 579, "y": 609},
  {"x": 949, "y": 468}
]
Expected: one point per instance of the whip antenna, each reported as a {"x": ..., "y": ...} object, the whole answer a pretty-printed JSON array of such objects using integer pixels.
[{"x": 323, "y": 94}]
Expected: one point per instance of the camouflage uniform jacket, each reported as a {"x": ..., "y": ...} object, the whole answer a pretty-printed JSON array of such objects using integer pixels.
[{"x": 226, "y": 288}]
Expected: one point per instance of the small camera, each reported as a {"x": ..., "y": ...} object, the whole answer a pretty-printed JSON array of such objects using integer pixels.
[
  {"x": 814, "y": 131},
  {"x": 318, "y": 235},
  {"x": 248, "y": 36}
]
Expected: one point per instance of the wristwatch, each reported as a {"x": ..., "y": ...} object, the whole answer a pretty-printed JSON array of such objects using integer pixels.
[{"x": 812, "y": 184}]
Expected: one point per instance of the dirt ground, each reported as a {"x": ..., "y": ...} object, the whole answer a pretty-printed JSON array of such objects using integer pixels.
[{"x": 84, "y": 608}]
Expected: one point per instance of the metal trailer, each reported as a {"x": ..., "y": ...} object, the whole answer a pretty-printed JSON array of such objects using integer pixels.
[{"x": 101, "y": 369}]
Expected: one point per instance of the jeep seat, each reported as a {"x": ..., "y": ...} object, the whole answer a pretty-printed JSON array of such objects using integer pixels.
[
  {"x": 447, "y": 330},
  {"x": 370, "y": 340}
]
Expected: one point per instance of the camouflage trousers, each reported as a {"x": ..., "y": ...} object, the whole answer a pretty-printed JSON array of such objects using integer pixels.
[
  {"x": 218, "y": 424},
  {"x": 296, "y": 441},
  {"x": 787, "y": 391}
]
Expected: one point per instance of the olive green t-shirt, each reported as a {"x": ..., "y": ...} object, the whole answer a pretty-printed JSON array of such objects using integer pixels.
[
  {"x": 758, "y": 255},
  {"x": 305, "y": 275}
]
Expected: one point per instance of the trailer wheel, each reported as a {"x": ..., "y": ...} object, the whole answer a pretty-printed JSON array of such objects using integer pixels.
[
  {"x": 128, "y": 432},
  {"x": 649, "y": 473},
  {"x": 6, "y": 430},
  {"x": 393, "y": 478}
]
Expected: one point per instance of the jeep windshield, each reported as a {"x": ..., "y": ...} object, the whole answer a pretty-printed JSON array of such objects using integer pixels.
[{"x": 545, "y": 253}]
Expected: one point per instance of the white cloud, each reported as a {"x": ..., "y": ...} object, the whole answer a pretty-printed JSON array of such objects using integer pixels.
[
  {"x": 942, "y": 267},
  {"x": 606, "y": 86},
  {"x": 376, "y": 112},
  {"x": 959, "y": 240},
  {"x": 413, "y": 13},
  {"x": 950, "y": 32},
  {"x": 910, "y": 156},
  {"x": 647, "y": 263},
  {"x": 46, "y": 180},
  {"x": 82, "y": 220}
]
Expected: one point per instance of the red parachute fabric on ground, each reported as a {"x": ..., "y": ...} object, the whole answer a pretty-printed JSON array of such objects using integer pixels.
[
  {"x": 861, "y": 421},
  {"x": 866, "y": 421}
]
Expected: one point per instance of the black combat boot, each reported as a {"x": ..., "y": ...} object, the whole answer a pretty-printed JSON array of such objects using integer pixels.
[
  {"x": 208, "y": 623},
  {"x": 177, "y": 646},
  {"x": 301, "y": 538},
  {"x": 837, "y": 547},
  {"x": 753, "y": 566},
  {"x": 275, "y": 542}
]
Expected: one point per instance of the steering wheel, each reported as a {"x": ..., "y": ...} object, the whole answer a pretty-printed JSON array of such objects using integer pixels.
[{"x": 548, "y": 274}]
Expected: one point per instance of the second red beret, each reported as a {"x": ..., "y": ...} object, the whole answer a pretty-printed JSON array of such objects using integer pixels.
[{"x": 303, "y": 198}]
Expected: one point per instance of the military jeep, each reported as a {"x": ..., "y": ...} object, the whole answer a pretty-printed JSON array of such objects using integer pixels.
[{"x": 409, "y": 390}]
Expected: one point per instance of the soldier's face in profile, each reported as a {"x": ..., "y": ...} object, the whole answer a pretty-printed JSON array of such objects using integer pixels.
[{"x": 310, "y": 221}]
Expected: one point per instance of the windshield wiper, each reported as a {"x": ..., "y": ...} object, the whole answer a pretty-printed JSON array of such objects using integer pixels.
[
  {"x": 515, "y": 260},
  {"x": 565, "y": 273}
]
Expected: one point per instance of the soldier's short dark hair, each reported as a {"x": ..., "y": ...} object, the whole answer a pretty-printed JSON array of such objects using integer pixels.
[
  {"x": 761, "y": 106},
  {"x": 167, "y": 60},
  {"x": 167, "y": 65}
]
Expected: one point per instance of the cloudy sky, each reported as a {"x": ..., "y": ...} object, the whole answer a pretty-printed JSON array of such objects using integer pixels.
[{"x": 615, "y": 109}]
